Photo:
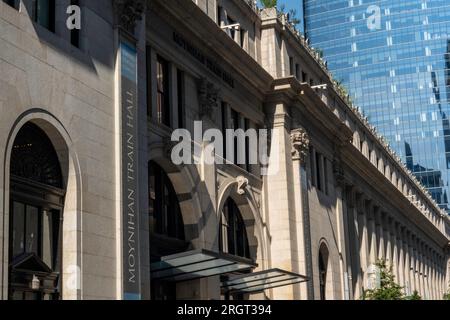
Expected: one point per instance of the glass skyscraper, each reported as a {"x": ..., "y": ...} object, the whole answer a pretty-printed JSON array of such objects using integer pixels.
[{"x": 394, "y": 58}]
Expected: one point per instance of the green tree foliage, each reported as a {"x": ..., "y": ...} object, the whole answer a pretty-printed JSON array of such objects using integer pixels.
[
  {"x": 447, "y": 295},
  {"x": 414, "y": 296},
  {"x": 388, "y": 289},
  {"x": 269, "y": 3}
]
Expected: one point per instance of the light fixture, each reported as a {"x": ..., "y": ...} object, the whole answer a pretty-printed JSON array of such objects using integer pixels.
[
  {"x": 235, "y": 26},
  {"x": 321, "y": 86}
]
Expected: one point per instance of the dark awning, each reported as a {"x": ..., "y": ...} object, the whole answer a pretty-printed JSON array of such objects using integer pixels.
[
  {"x": 260, "y": 281},
  {"x": 198, "y": 264}
]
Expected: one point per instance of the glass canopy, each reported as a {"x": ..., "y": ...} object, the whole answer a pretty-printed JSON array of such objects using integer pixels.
[
  {"x": 260, "y": 281},
  {"x": 198, "y": 264}
]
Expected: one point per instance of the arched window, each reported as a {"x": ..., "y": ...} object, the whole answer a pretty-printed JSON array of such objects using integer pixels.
[
  {"x": 166, "y": 227},
  {"x": 323, "y": 267},
  {"x": 37, "y": 200},
  {"x": 233, "y": 233},
  {"x": 164, "y": 208},
  {"x": 34, "y": 158}
]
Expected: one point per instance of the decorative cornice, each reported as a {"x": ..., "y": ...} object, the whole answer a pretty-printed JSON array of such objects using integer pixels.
[
  {"x": 300, "y": 144},
  {"x": 128, "y": 12}
]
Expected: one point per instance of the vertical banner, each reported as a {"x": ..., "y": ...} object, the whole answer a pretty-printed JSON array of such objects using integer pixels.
[{"x": 130, "y": 194}]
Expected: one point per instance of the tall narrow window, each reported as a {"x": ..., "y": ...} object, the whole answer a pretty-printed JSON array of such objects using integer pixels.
[
  {"x": 180, "y": 97},
  {"x": 164, "y": 206},
  {"x": 247, "y": 147},
  {"x": 44, "y": 13},
  {"x": 219, "y": 15},
  {"x": 162, "y": 103},
  {"x": 318, "y": 171},
  {"x": 224, "y": 128},
  {"x": 235, "y": 123},
  {"x": 312, "y": 166},
  {"x": 291, "y": 66},
  {"x": 304, "y": 77},
  {"x": 243, "y": 38},
  {"x": 75, "y": 33},
  {"x": 233, "y": 233}
]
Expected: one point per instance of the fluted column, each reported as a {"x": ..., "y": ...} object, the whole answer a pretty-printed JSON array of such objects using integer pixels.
[
  {"x": 401, "y": 257},
  {"x": 300, "y": 149},
  {"x": 422, "y": 269},
  {"x": 393, "y": 237},
  {"x": 387, "y": 236},
  {"x": 363, "y": 239},
  {"x": 416, "y": 266},
  {"x": 354, "y": 243},
  {"x": 441, "y": 280},
  {"x": 412, "y": 265},
  {"x": 429, "y": 271},
  {"x": 380, "y": 235},
  {"x": 407, "y": 266},
  {"x": 433, "y": 265},
  {"x": 372, "y": 235},
  {"x": 427, "y": 274}
]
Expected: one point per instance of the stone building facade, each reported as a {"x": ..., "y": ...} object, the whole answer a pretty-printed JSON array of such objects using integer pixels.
[{"x": 92, "y": 205}]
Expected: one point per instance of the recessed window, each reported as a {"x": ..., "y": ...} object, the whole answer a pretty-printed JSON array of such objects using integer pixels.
[
  {"x": 162, "y": 100},
  {"x": 180, "y": 97},
  {"x": 164, "y": 208},
  {"x": 44, "y": 13},
  {"x": 233, "y": 233}
]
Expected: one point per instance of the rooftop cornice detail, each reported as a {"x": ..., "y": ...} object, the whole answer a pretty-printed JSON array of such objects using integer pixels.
[{"x": 341, "y": 92}]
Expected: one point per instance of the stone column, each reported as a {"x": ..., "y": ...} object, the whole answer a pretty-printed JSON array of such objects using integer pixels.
[
  {"x": 416, "y": 266},
  {"x": 433, "y": 279},
  {"x": 354, "y": 244},
  {"x": 363, "y": 238},
  {"x": 412, "y": 265},
  {"x": 393, "y": 237},
  {"x": 342, "y": 226},
  {"x": 380, "y": 234},
  {"x": 407, "y": 266},
  {"x": 281, "y": 209},
  {"x": 387, "y": 235},
  {"x": 421, "y": 268},
  {"x": 401, "y": 256},
  {"x": 300, "y": 148},
  {"x": 372, "y": 234}
]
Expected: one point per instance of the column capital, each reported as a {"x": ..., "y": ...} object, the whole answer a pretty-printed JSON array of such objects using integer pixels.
[
  {"x": 128, "y": 12},
  {"x": 300, "y": 144}
]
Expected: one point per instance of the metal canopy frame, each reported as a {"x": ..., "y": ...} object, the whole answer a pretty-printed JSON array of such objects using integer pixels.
[
  {"x": 198, "y": 264},
  {"x": 260, "y": 281}
]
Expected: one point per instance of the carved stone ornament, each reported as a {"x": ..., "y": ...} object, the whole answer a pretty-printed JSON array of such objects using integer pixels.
[
  {"x": 242, "y": 183},
  {"x": 300, "y": 144},
  {"x": 208, "y": 96},
  {"x": 128, "y": 12}
]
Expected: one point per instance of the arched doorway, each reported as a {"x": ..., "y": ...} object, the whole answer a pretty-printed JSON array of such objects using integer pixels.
[
  {"x": 233, "y": 232},
  {"x": 233, "y": 239},
  {"x": 36, "y": 209},
  {"x": 166, "y": 226},
  {"x": 325, "y": 273}
]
